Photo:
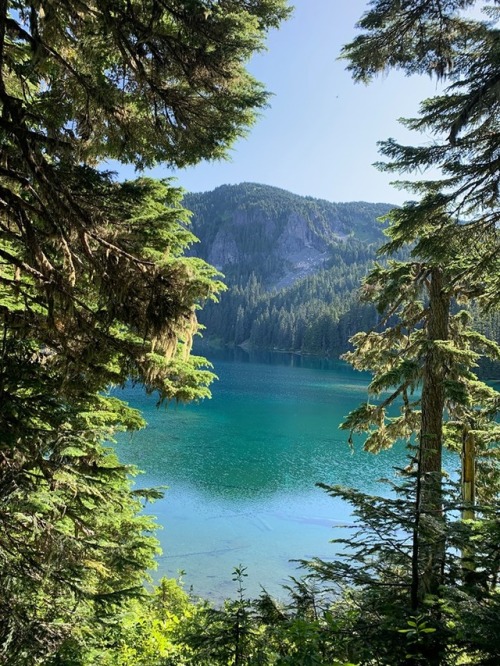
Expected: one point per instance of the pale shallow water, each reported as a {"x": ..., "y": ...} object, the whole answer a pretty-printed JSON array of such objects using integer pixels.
[{"x": 241, "y": 469}]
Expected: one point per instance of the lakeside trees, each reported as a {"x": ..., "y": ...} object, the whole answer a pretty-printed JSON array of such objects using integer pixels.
[
  {"x": 422, "y": 566},
  {"x": 90, "y": 296},
  {"x": 425, "y": 341},
  {"x": 94, "y": 287},
  {"x": 293, "y": 266}
]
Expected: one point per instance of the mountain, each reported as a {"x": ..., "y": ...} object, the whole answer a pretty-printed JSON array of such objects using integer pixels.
[
  {"x": 293, "y": 265},
  {"x": 275, "y": 234}
]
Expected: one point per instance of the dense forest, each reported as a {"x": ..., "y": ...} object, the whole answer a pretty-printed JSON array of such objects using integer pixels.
[{"x": 97, "y": 287}]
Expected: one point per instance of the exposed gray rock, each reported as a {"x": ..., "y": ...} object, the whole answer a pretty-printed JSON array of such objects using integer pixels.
[{"x": 280, "y": 236}]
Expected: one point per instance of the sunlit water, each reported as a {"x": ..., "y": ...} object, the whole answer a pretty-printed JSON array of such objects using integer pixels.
[{"x": 241, "y": 469}]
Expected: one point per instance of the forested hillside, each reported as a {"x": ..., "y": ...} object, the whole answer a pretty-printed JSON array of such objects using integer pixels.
[{"x": 292, "y": 264}]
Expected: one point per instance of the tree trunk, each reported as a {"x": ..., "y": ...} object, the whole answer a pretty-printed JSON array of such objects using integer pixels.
[
  {"x": 468, "y": 496},
  {"x": 430, "y": 534},
  {"x": 468, "y": 476}
]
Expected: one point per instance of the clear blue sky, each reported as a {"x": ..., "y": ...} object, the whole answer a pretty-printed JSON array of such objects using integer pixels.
[{"x": 318, "y": 137}]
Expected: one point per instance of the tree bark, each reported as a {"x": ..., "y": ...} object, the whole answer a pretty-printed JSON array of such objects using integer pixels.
[
  {"x": 468, "y": 496},
  {"x": 468, "y": 476},
  {"x": 430, "y": 535}
]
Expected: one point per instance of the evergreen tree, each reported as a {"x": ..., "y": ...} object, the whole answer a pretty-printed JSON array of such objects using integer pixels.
[
  {"x": 439, "y": 38},
  {"x": 427, "y": 343},
  {"x": 429, "y": 348},
  {"x": 94, "y": 285},
  {"x": 458, "y": 211}
]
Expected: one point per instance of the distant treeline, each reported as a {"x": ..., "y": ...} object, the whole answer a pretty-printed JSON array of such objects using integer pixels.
[{"x": 316, "y": 315}]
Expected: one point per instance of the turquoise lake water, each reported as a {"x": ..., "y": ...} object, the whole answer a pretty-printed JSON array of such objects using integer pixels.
[{"x": 241, "y": 469}]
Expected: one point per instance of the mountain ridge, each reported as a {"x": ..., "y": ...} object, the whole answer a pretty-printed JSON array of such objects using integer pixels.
[
  {"x": 284, "y": 235},
  {"x": 293, "y": 265}
]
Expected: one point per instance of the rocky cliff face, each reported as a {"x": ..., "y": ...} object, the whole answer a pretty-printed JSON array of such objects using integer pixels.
[{"x": 274, "y": 233}]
